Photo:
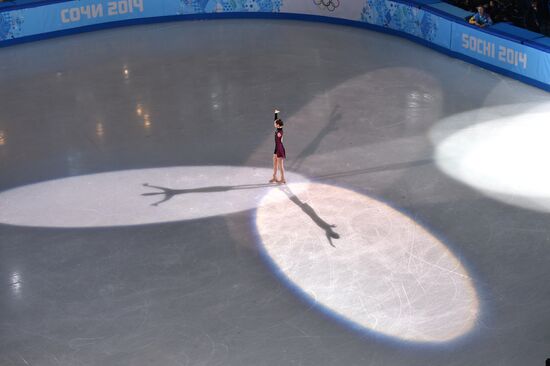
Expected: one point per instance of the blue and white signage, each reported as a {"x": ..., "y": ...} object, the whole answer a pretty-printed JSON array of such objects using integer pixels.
[
  {"x": 73, "y": 14},
  {"x": 99, "y": 10},
  {"x": 401, "y": 16},
  {"x": 408, "y": 19},
  {"x": 502, "y": 53}
]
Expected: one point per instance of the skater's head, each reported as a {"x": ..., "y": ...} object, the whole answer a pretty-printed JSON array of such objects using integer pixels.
[{"x": 278, "y": 123}]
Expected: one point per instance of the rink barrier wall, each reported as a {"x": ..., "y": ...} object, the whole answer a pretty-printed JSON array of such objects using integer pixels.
[{"x": 507, "y": 50}]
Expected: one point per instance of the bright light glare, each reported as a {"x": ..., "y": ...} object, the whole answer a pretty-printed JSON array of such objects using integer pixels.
[
  {"x": 382, "y": 272},
  {"x": 146, "y": 121},
  {"x": 16, "y": 283},
  {"x": 99, "y": 129},
  {"x": 505, "y": 157},
  {"x": 120, "y": 198}
]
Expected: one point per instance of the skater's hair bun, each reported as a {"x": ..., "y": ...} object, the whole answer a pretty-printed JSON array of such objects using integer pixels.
[{"x": 279, "y": 122}]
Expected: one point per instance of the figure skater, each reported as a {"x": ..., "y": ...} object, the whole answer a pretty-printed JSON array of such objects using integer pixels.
[{"x": 279, "y": 154}]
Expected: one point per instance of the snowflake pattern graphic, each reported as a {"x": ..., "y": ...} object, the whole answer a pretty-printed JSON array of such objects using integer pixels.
[
  {"x": 224, "y": 6},
  {"x": 10, "y": 25},
  {"x": 400, "y": 17}
]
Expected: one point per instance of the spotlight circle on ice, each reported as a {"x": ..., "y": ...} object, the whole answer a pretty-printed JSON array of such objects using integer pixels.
[
  {"x": 366, "y": 263},
  {"x": 504, "y": 154},
  {"x": 135, "y": 197}
]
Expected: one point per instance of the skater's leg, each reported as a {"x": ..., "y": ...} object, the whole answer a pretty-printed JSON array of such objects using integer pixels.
[
  {"x": 281, "y": 163},
  {"x": 274, "y": 178}
]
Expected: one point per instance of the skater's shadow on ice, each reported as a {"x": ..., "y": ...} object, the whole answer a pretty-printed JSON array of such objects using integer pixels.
[
  {"x": 307, "y": 209},
  {"x": 377, "y": 169},
  {"x": 313, "y": 146},
  {"x": 169, "y": 193}
]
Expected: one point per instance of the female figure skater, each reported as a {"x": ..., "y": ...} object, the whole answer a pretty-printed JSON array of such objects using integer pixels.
[{"x": 279, "y": 154}]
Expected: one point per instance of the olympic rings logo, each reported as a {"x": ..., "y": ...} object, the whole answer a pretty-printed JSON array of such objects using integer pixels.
[{"x": 330, "y": 5}]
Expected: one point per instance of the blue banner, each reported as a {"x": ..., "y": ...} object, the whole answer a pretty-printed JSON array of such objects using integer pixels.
[
  {"x": 408, "y": 19},
  {"x": 73, "y": 14},
  {"x": 80, "y": 13},
  {"x": 512, "y": 56}
]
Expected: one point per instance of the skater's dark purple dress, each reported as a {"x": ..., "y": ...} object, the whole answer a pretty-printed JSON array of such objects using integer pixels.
[{"x": 279, "y": 148}]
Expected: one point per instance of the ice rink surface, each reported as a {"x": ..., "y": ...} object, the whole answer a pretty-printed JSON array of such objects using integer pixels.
[{"x": 137, "y": 226}]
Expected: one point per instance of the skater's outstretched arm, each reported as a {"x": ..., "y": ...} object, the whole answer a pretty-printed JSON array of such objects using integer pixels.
[
  {"x": 157, "y": 187},
  {"x": 168, "y": 193},
  {"x": 329, "y": 237}
]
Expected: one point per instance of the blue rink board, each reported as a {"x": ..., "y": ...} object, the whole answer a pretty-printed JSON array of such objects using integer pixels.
[
  {"x": 541, "y": 43},
  {"x": 515, "y": 33},
  {"x": 436, "y": 25},
  {"x": 500, "y": 52},
  {"x": 449, "y": 10}
]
